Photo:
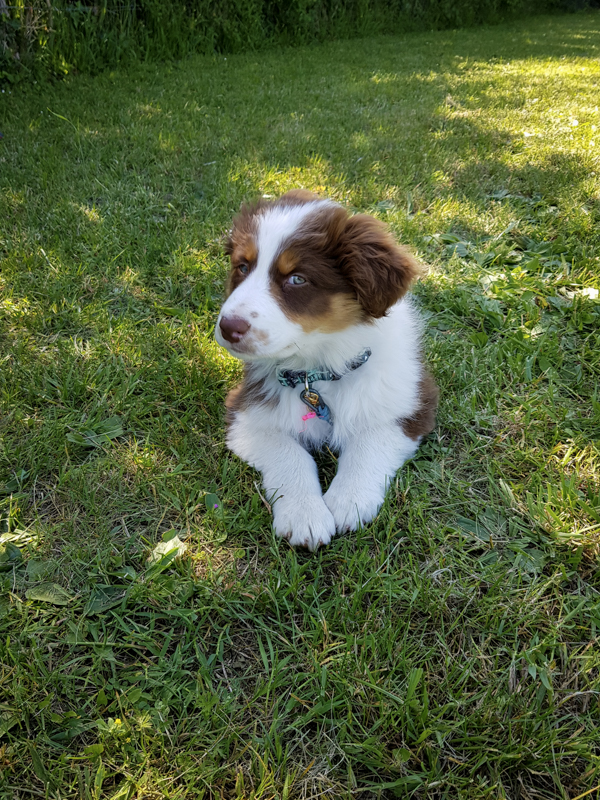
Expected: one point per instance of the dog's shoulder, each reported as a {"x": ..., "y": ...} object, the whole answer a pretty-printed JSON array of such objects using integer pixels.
[{"x": 254, "y": 390}]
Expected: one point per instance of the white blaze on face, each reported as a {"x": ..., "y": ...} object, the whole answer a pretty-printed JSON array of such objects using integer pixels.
[{"x": 271, "y": 332}]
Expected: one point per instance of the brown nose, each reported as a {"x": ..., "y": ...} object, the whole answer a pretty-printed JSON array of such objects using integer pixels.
[{"x": 233, "y": 328}]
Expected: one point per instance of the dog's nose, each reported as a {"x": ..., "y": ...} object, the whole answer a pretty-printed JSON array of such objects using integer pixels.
[{"x": 233, "y": 328}]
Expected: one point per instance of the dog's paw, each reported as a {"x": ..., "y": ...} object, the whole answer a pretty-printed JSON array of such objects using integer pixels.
[
  {"x": 351, "y": 508},
  {"x": 306, "y": 522}
]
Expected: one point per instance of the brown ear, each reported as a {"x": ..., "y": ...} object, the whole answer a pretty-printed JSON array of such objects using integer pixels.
[{"x": 379, "y": 270}]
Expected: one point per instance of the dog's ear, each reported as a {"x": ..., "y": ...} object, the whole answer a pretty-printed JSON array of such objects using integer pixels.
[{"x": 378, "y": 269}]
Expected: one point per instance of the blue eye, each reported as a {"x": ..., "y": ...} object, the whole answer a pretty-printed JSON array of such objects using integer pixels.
[
  {"x": 243, "y": 268},
  {"x": 296, "y": 280}
]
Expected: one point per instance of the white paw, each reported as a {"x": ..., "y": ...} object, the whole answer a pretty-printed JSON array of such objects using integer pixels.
[
  {"x": 351, "y": 507},
  {"x": 304, "y": 522}
]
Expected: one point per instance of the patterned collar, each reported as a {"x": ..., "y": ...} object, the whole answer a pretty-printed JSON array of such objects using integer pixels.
[
  {"x": 292, "y": 378},
  {"x": 317, "y": 406}
]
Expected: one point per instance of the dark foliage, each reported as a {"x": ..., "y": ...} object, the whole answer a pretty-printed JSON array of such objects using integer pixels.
[{"x": 43, "y": 38}]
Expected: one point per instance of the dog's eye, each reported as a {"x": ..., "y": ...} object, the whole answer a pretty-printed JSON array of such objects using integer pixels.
[
  {"x": 296, "y": 280},
  {"x": 243, "y": 268}
]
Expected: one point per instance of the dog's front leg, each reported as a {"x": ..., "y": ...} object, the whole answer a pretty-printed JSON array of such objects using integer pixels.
[
  {"x": 367, "y": 464},
  {"x": 290, "y": 480}
]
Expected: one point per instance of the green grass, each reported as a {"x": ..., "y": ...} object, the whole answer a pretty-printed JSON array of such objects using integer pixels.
[{"x": 450, "y": 649}]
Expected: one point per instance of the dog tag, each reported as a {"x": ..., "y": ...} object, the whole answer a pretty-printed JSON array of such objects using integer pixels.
[
  {"x": 315, "y": 402},
  {"x": 311, "y": 398}
]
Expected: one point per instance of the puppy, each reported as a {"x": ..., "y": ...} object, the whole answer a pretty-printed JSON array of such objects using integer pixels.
[{"x": 316, "y": 309}]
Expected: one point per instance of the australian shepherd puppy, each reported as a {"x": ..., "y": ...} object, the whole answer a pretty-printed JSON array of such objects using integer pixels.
[{"x": 316, "y": 309}]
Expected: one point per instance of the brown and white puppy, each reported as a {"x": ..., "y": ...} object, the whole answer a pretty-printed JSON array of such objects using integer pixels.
[{"x": 316, "y": 309}]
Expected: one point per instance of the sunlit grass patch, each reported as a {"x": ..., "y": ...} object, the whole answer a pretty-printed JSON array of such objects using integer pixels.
[{"x": 449, "y": 649}]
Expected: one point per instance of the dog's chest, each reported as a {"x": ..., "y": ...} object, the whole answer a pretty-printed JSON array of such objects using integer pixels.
[{"x": 347, "y": 405}]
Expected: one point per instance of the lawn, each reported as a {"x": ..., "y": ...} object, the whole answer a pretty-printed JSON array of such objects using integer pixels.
[{"x": 449, "y": 649}]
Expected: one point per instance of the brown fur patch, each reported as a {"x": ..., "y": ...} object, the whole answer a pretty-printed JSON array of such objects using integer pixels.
[
  {"x": 240, "y": 245},
  {"x": 326, "y": 301},
  {"x": 297, "y": 197},
  {"x": 343, "y": 311},
  {"x": 380, "y": 271},
  {"x": 244, "y": 251},
  {"x": 286, "y": 262},
  {"x": 248, "y": 393},
  {"x": 422, "y": 421}
]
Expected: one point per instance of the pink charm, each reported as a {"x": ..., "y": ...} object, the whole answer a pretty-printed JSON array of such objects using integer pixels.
[{"x": 310, "y": 415}]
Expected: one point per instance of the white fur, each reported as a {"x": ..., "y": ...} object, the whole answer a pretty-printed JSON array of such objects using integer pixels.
[
  {"x": 272, "y": 333},
  {"x": 366, "y": 404}
]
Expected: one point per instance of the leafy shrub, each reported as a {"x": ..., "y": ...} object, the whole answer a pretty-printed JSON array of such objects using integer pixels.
[{"x": 39, "y": 37}]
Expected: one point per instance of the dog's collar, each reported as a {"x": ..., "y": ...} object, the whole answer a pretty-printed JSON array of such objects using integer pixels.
[
  {"x": 292, "y": 378},
  {"x": 316, "y": 405}
]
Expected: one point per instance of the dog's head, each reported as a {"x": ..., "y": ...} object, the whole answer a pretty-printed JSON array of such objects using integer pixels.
[{"x": 300, "y": 268}]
